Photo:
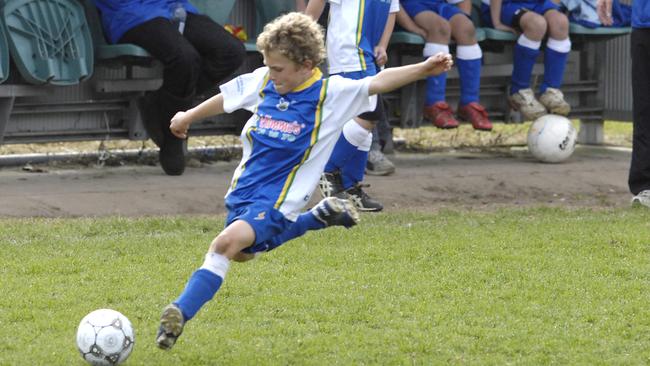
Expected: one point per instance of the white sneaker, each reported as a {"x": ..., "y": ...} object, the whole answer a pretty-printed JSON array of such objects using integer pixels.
[
  {"x": 524, "y": 101},
  {"x": 553, "y": 100},
  {"x": 378, "y": 164},
  {"x": 642, "y": 199}
]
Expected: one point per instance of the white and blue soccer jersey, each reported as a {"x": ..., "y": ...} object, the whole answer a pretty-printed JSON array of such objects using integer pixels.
[
  {"x": 354, "y": 29},
  {"x": 290, "y": 137}
]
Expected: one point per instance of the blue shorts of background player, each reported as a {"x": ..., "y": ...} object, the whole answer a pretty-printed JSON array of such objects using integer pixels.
[
  {"x": 535, "y": 20},
  {"x": 441, "y": 8},
  {"x": 510, "y": 8},
  {"x": 438, "y": 22}
]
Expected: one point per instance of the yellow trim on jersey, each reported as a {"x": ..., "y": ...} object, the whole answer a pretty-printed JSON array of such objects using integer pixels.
[
  {"x": 362, "y": 7},
  {"x": 243, "y": 167},
  {"x": 261, "y": 92},
  {"x": 316, "y": 75},
  {"x": 318, "y": 118}
]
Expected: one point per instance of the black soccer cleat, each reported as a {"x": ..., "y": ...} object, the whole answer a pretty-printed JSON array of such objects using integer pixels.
[
  {"x": 171, "y": 327},
  {"x": 333, "y": 211},
  {"x": 360, "y": 199},
  {"x": 330, "y": 184}
]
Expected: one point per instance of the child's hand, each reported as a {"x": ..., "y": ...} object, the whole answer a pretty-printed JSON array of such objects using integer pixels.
[
  {"x": 503, "y": 27},
  {"x": 180, "y": 124},
  {"x": 381, "y": 57},
  {"x": 421, "y": 32},
  {"x": 438, "y": 63},
  {"x": 604, "y": 10}
]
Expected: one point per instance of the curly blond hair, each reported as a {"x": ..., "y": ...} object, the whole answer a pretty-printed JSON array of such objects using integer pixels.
[{"x": 296, "y": 36}]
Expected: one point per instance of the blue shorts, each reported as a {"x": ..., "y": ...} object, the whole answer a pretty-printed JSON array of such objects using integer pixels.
[
  {"x": 440, "y": 7},
  {"x": 266, "y": 221},
  {"x": 510, "y": 8}
]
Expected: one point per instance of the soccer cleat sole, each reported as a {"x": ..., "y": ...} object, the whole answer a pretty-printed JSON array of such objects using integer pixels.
[
  {"x": 171, "y": 327},
  {"x": 347, "y": 207}
]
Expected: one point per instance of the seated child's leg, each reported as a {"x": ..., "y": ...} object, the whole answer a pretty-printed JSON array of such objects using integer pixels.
[
  {"x": 469, "y": 69},
  {"x": 525, "y": 54},
  {"x": 557, "y": 50},
  {"x": 436, "y": 85},
  {"x": 468, "y": 58},
  {"x": 526, "y": 50}
]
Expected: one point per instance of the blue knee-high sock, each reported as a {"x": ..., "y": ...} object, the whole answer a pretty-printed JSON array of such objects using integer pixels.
[
  {"x": 470, "y": 80},
  {"x": 343, "y": 150},
  {"x": 436, "y": 86},
  {"x": 200, "y": 288},
  {"x": 305, "y": 222},
  {"x": 523, "y": 63},
  {"x": 469, "y": 69},
  {"x": 555, "y": 58},
  {"x": 354, "y": 169}
]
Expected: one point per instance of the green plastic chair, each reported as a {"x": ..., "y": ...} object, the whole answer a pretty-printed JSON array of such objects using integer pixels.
[
  {"x": 106, "y": 51},
  {"x": 49, "y": 40},
  {"x": 605, "y": 32},
  {"x": 404, "y": 37},
  {"x": 4, "y": 55},
  {"x": 218, "y": 10},
  {"x": 266, "y": 11}
]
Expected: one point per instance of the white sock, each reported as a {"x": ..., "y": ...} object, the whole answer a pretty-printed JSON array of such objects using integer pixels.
[{"x": 216, "y": 263}]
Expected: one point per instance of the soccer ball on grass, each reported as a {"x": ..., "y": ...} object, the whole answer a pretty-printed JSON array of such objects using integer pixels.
[
  {"x": 552, "y": 138},
  {"x": 105, "y": 337}
]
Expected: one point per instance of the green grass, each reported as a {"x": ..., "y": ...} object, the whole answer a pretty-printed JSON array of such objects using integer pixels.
[{"x": 514, "y": 286}]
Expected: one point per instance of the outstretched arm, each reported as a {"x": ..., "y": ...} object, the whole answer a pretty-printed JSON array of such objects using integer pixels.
[
  {"x": 182, "y": 120},
  {"x": 395, "y": 77},
  {"x": 315, "y": 8}
]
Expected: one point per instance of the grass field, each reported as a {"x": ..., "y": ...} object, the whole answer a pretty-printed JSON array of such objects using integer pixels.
[{"x": 514, "y": 286}]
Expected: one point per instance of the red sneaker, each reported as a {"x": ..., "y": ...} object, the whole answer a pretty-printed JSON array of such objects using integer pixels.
[
  {"x": 441, "y": 115},
  {"x": 477, "y": 115}
]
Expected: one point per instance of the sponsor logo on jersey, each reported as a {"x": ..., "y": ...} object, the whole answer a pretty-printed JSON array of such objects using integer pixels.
[{"x": 269, "y": 123}]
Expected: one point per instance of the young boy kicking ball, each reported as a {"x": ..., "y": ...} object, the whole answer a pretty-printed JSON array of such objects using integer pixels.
[{"x": 297, "y": 118}]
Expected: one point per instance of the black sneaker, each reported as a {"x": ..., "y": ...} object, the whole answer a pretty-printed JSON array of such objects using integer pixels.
[
  {"x": 334, "y": 211},
  {"x": 360, "y": 199},
  {"x": 172, "y": 155},
  {"x": 171, "y": 327},
  {"x": 330, "y": 184}
]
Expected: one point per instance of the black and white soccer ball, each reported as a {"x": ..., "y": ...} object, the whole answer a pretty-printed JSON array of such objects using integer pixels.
[
  {"x": 105, "y": 337},
  {"x": 552, "y": 138}
]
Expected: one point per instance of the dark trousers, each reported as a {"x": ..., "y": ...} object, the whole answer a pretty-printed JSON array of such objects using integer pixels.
[
  {"x": 639, "y": 178},
  {"x": 193, "y": 61},
  {"x": 382, "y": 132}
]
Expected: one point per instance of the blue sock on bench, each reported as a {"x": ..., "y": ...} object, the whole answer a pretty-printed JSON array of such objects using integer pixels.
[
  {"x": 436, "y": 85},
  {"x": 525, "y": 54},
  {"x": 555, "y": 58},
  {"x": 468, "y": 59}
]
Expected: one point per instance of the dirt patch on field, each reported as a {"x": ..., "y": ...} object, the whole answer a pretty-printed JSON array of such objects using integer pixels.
[{"x": 468, "y": 178}]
